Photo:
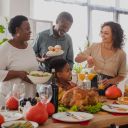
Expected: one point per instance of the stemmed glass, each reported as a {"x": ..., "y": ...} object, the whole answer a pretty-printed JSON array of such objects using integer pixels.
[
  {"x": 4, "y": 95},
  {"x": 45, "y": 92},
  {"x": 3, "y": 99},
  {"x": 81, "y": 76},
  {"x": 18, "y": 92}
]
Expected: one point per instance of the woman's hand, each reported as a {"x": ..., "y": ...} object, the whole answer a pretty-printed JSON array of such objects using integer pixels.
[
  {"x": 17, "y": 74},
  {"x": 23, "y": 76},
  {"x": 107, "y": 82},
  {"x": 80, "y": 58},
  {"x": 90, "y": 61},
  {"x": 115, "y": 80}
]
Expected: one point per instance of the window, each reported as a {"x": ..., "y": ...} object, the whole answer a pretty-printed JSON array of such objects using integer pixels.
[
  {"x": 99, "y": 12},
  {"x": 98, "y": 18},
  {"x": 103, "y": 2},
  {"x": 123, "y": 19},
  {"x": 123, "y": 4},
  {"x": 38, "y": 26},
  {"x": 78, "y": 31}
]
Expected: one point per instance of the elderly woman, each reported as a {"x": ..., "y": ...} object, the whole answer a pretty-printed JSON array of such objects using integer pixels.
[
  {"x": 107, "y": 57},
  {"x": 17, "y": 57}
]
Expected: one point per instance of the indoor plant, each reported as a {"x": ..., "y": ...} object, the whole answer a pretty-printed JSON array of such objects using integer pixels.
[{"x": 3, "y": 31}]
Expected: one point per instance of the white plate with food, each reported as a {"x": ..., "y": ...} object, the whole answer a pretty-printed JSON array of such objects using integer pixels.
[
  {"x": 20, "y": 124},
  {"x": 115, "y": 108},
  {"x": 11, "y": 116},
  {"x": 72, "y": 116},
  {"x": 54, "y": 53},
  {"x": 39, "y": 77}
]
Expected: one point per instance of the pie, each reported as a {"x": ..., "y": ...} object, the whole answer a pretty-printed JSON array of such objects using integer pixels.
[{"x": 122, "y": 100}]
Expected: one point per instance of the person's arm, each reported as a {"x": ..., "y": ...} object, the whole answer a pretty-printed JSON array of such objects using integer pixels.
[
  {"x": 70, "y": 54},
  {"x": 36, "y": 45},
  {"x": 4, "y": 61},
  {"x": 86, "y": 55},
  {"x": 38, "y": 48},
  {"x": 113, "y": 81},
  {"x": 17, "y": 74},
  {"x": 80, "y": 58}
]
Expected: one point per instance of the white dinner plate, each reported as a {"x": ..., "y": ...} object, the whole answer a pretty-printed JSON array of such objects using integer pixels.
[
  {"x": 6, "y": 124},
  {"x": 116, "y": 108},
  {"x": 11, "y": 116},
  {"x": 62, "y": 116},
  {"x": 52, "y": 53}
]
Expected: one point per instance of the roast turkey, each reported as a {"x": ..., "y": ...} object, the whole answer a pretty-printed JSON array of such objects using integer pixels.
[{"x": 80, "y": 97}]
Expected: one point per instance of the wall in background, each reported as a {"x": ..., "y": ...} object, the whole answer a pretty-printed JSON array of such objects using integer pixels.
[{"x": 10, "y": 8}]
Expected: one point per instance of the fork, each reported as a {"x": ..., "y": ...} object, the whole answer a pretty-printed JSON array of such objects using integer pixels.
[{"x": 73, "y": 115}]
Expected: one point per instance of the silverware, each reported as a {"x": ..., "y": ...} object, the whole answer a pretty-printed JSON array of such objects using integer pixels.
[
  {"x": 74, "y": 116},
  {"x": 117, "y": 107}
]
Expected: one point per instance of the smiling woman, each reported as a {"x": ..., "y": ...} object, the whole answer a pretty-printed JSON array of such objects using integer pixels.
[
  {"x": 18, "y": 58},
  {"x": 107, "y": 54}
]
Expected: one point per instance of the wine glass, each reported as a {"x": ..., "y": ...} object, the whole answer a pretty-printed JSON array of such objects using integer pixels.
[
  {"x": 18, "y": 92},
  {"x": 5, "y": 93},
  {"x": 3, "y": 99},
  {"x": 45, "y": 92},
  {"x": 81, "y": 76}
]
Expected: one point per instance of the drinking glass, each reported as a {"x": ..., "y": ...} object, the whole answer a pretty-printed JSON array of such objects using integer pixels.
[
  {"x": 81, "y": 76},
  {"x": 4, "y": 95},
  {"x": 45, "y": 92},
  {"x": 101, "y": 86},
  {"x": 2, "y": 101},
  {"x": 18, "y": 92}
]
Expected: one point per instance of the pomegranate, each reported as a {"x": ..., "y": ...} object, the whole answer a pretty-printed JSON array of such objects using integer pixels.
[
  {"x": 12, "y": 103},
  {"x": 37, "y": 113},
  {"x": 113, "y": 92},
  {"x": 50, "y": 109}
]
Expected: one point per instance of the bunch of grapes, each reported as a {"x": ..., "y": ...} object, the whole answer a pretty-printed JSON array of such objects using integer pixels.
[{"x": 33, "y": 101}]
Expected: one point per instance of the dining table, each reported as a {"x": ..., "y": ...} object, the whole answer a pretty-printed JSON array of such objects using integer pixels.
[{"x": 102, "y": 119}]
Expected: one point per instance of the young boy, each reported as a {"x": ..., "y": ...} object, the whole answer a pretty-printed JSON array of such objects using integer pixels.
[{"x": 63, "y": 75}]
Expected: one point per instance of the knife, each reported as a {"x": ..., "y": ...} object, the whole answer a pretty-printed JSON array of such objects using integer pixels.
[{"x": 117, "y": 107}]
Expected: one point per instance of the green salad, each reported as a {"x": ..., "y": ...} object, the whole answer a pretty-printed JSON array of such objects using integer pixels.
[{"x": 90, "y": 108}]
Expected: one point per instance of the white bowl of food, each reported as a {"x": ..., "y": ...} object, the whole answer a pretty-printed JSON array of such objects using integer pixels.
[{"x": 39, "y": 77}]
